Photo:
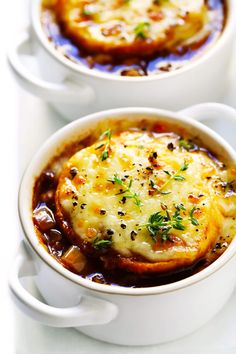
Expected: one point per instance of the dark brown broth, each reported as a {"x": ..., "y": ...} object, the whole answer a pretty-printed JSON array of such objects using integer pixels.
[{"x": 160, "y": 63}]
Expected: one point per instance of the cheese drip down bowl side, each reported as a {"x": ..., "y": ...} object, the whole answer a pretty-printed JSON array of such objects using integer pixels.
[
  {"x": 115, "y": 314},
  {"x": 75, "y": 90}
]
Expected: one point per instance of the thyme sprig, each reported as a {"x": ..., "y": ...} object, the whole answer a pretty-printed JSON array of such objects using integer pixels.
[
  {"x": 156, "y": 188},
  {"x": 106, "y": 146},
  {"x": 159, "y": 224},
  {"x": 186, "y": 144},
  {"x": 99, "y": 244},
  {"x": 175, "y": 176},
  {"x": 180, "y": 206},
  {"x": 193, "y": 220},
  {"x": 141, "y": 29},
  {"x": 128, "y": 193}
]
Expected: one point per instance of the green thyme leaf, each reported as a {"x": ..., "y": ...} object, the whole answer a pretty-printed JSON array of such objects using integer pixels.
[
  {"x": 98, "y": 243},
  {"x": 178, "y": 178},
  {"x": 167, "y": 172},
  {"x": 193, "y": 220},
  {"x": 130, "y": 183},
  {"x": 184, "y": 167},
  {"x": 141, "y": 30},
  {"x": 152, "y": 184},
  {"x": 137, "y": 200},
  {"x": 99, "y": 146},
  {"x": 177, "y": 222},
  {"x": 128, "y": 193},
  {"x": 159, "y": 225},
  {"x": 106, "y": 147},
  {"x": 158, "y": 190},
  {"x": 105, "y": 134},
  {"x": 186, "y": 144},
  {"x": 175, "y": 175},
  {"x": 178, "y": 226},
  {"x": 116, "y": 179},
  {"x": 180, "y": 207},
  {"x": 104, "y": 155}
]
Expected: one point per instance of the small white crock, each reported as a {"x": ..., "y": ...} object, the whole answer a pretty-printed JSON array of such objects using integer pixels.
[
  {"x": 114, "y": 314},
  {"x": 75, "y": 90}
]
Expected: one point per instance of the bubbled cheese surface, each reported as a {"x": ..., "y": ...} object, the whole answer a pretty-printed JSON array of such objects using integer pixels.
[
  {"x": 154, "y": 179},
  {"x": 128, "y": 26}
]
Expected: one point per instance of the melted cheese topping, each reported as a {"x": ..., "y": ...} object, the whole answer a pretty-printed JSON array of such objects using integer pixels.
[
  {"x": 130, "y": 26},
  {"x": 113, "y": 198}
]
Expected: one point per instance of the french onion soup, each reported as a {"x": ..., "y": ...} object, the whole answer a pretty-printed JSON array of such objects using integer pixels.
[
  {"x": 133, "y": 37},
  {"x": 135, "y": 206}
]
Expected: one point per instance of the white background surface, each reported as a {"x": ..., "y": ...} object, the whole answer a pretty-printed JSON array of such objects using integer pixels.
[{"x": 25, "y": 122}]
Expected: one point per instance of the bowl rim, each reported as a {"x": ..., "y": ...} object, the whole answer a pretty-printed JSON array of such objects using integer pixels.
[
  {"x": 25, "y": 214},
  {"x": 82, "y": 69}
]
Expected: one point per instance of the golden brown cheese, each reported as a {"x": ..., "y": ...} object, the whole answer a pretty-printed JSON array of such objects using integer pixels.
[
  {"x": 133, "y": 27},
  {"x": 145, "y": 199}
]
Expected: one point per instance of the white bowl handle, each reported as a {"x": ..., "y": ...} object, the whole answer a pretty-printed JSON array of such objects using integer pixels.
[
  {"x": 89, "y": 311},
  {"x": 217, "y": 116},
  {"x": 66, "y": 91}
]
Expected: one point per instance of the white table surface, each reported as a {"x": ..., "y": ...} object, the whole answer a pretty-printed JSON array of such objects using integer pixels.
[{"x": 24, "y": 124}]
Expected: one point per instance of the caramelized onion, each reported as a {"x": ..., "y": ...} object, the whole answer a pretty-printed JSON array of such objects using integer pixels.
[
  {"x": 74, "y": 259},
  {"x": 44, "y": 218}
]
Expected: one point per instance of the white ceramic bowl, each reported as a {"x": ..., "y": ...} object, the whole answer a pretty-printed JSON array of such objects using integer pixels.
[
  {"x": 115, "y": 314},
  {"x": 75, "y": 90}
]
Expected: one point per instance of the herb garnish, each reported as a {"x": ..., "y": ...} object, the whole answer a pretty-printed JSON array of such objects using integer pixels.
[
  {"x": 159, "y": 225},
  {"x": 176, "y": 176},
  {"x": 98, "y": 243},
  {"x": 180, "y": 206},
  {"x": 106, "y": 147},
  {"x": 141, "y": 30},
  {"x": 156, "y": 188},
  {"x": 127, "y": 190},
  {"x": 184, "y": 167},
  {"x": 179, "y": 178},
  {"x": 186, "y": 144},
  {"x": 152, "y": 184},
  {"x": 193, "y": 220},
  {"x": 177, "y": 221}
]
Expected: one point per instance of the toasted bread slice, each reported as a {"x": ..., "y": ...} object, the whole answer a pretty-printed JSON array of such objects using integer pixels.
[{"x": 139, "y": 204}]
